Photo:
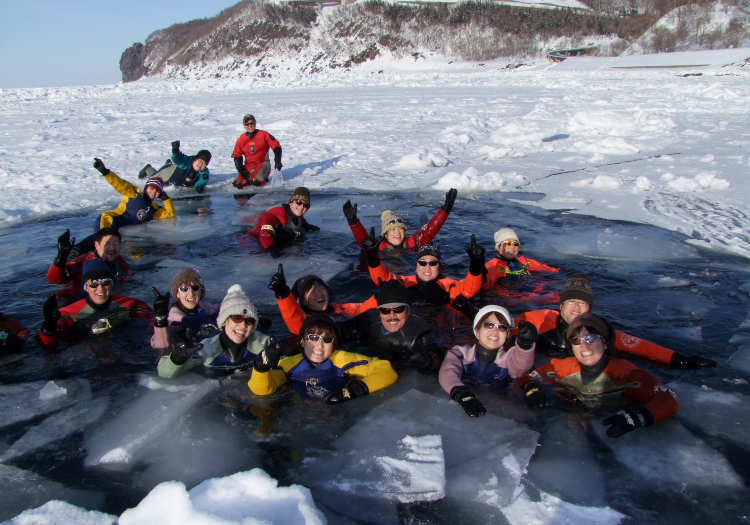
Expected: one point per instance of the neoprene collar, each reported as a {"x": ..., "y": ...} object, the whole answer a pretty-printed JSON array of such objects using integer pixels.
[
  {"x": 589, "y": 373},
  {"x": 252, "y": 135},
  {"x": 188, "y": 311},
  {"x": 98, "y": 307},
  {"x": 232, "y": 349},
  {"x": 485, "y": 356}
]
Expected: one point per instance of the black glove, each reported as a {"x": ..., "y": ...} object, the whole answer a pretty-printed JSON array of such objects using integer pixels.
[
  {"x": 51, "y": 316},
  {"x": 624, "y": 422},
  {"x": 371, "y": 246},
  {"x": 255, "y": 182},
  {"x": 277, "y": 164},
  {"x": 163, "y": 196},
  {"x": 450, "y": 198},
  {"x": 161, "y": 308},
  {"x": 311, "y": 227},
  {"x": 419, "y": 356},
  {"x": 267, "y": 359},
  {"x": 476, "y": 256},
  {"x": 10, "y": 342},
  {"x": 527, "y": 335},
  {"x": 355, "y": 388},
  {"x": 462, "y": 304},
  {"x": 350, "y": 212},
  {"x": 176, "y": 146},
  {"x": 200, "y": 189},
  {"x": 278, "y": 284},
  {"x": 471, "y": 405},
  {"x": 99, "y": 165},
  {"x": 274, "y": 251},
  {"x": 64, "y": 246},
  {"x": 182, "y": 349},
  {"x": 690, "y": 362},
  {"x": 535, "y": 397},
  {"x": 237, "y": 184}
]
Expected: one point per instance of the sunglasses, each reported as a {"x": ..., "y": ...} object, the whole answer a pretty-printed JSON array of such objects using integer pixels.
[
  {"x": 489, "y": 325},
  {"x": 579, "y": 304},
  {"x": 250, "y": 123},
  {"x": 396, "y": 310},
  {"x": 510, "y": 243},
  {"x": 239, "y": 319},
  {"x": 184, "y": 287},
  {"x": 105, "y": 283},
  {"x": 589, "y": 339},
  {"x": 425, "y": 263},
  {"x": 327, "y": 339},
  {"x": 395, "y": 221},
  {"x": 301, "y": 203}
]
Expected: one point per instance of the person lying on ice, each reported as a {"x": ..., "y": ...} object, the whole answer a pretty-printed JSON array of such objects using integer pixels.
[
  {"x": 321, "y": 371},
  {"x": 233, "y": 348},
  {"x": 508, "y": 262},
  {"x": 253, "y": 145},
  {"x": 576, "y": 299},
  {"x": 393, "y": 228},
  {"x": 487, "y": 361},
  {"x": 182, "y": 170},
  {"x": 429, "y": 286},
  {"x": 281, "y": 225},
  {"x": 107, "y": 242},
  {"x": 13, "y": 334},
  {"x": 98, "y": 313},
  {"x": 391, "y": 326},
  {"x": 308, "y": 295},
  {"x": 593, "y": 372},
  {"x": 187, "y": 311}
]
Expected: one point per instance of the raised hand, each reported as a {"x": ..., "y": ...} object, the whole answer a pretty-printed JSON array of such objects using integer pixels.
[
  {"x": 476, "y": 256},
  {"x": 278, "y": 284},
  {"x": 183, "y": 349},
  {"x": 51, "y": 316},
  {"x": 176, "y": 146},
  {"x": 267, "y": 359},
  {"x": 450, "y": 198},
  {"x": 350, "y": 212},
  {"x": 527, "y": 336},
  {"x": 100, "y": 167},
  {"x": 64, "y": 247},
  {"x": 371, "y": 246},
  {"x": 161, "y": 308}
]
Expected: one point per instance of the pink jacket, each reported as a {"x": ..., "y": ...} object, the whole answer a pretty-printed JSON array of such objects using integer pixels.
[
  {"x": 163, "y": 337},
  {"x": 516, "y": 360}
]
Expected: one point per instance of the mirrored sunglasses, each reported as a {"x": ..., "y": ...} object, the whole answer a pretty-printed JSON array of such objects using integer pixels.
[
  {"x": 510, "y": 243},
  {"x": 425, "y": 263},
  {"x": 327, "y": 339},
  {"x": 589, "y": 339},
  {"x": 239, "y": 319},
  {"x": 489, "y": 325},
  {"x": 99, "y": 282},
  {"x": 395, "y": 221},
  {"x": 184, "y": 287},
  {"x": 396, "y": 310}
]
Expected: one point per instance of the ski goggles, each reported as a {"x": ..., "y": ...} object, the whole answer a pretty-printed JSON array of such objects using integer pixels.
[
  {"x": 588, "y": 339},
  {"x": 489, "y": 325},
  {"x": 239, "y": 319},
  {"x": 425, "y": 263},
  {"x": 327, "y": 339},
  {"x": 508, "y": 242},
  {"x": 396, "y": 310},
  {"x": 302, "y": 203},
  {"x": 184, "y": 287},
  {"x": 95, "y": 283}
]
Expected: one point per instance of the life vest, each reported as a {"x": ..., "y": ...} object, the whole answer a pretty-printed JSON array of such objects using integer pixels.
[{"x": 317, "y": 381}]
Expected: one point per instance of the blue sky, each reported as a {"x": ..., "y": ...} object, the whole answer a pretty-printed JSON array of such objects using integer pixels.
[{"x": 79, "y": 42}]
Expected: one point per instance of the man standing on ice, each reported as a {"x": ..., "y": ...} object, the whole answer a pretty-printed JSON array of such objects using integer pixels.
[{"x": 254, "y": 145}]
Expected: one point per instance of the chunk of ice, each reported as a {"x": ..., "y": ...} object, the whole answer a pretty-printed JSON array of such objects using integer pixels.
[
  {"x": 551, "y": 509},
  {"x": 51, "y": 391},
  {"x": 61, "y": 513},
  {"x": 22, "y": 402}
]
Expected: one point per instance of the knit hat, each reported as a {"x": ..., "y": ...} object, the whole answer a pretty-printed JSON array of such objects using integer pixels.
[
  {"x": 505, "y": 234},
  {"x": 428, "y": 249},
  {"x": 246, "y": 118},
  {"x": 501, "y": 312},
  {"x": 157, "y": 182},
  {"x": 205, "y": 155},
  {"x": 392, "y": 293},
  {"x": 187, "y": 275},
  {"x": 598, "y": 324},
  {"x": 302, "y": 194},
  {"x": 236, "y": 302},
  {"x": 298, "y": 288},
  {"x": 321, "y": 318},
  {"x": 94, "y": 269},
  {"x": 390, "y": 221},
  {"x": 578, "y": 286}
]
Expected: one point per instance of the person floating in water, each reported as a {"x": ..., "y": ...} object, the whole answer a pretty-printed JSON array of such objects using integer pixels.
[
  {"x": 393, "y": 228},
  {"x": 13, "y": 334},
  {"x": 283, "y": 224},
  {"x": 107, "y": 245},
  {"x": 182, "y": 170},
  {"x": 321, "y": 371},
  {"x": 254, "y": 145},
  {"x": 593, "y": 372},
  {"x": 508, "y": 262}
]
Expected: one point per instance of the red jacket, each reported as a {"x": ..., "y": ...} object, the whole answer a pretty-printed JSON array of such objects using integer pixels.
[
  {"x": 418, "y": 239},
  {"x": 86, "y": 319},
  {"x": 14, "y": 327},
  {"x": 72, "y": 270},
  {"x": 254, "y": 150},
  {"x": 498, "y": 268},
  {"x": 277, "y": 220},
  {"x": 294, "y": 316},
  {"x": 468, "y": 287},
  {"x": 619, "y": 376}
]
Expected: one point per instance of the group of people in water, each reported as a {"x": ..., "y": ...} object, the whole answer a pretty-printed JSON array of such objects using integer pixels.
[{"x": 384, "y": 329}]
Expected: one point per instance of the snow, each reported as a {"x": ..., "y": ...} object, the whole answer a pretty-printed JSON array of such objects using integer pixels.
[{"x": 61, "y": 513}]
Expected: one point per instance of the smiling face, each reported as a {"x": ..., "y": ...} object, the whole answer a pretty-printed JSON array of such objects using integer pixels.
[
  {"x": 108, "y": 248},
  {"x": 589, "y": 354},
  {"x": 509, "y": 252},
  {"x": 316, "y": 298},
  {"x": 392, "y": 321},
  {"x": 396, "y": 236},
  {"x": 99, "y": 294},
  {"x": 317, "y": 351},
  {"x": 190, "y": 298},
  {"x": 491, "y": 339},
  {"x": 430, "y": 271},
  {"x": 199, "y": 164},
  {"x": 152, "y": 192},
  {"x": 298, "y": 208},
  {"x": 572, "y": 308},
  {"x": 237, "y": 332}
]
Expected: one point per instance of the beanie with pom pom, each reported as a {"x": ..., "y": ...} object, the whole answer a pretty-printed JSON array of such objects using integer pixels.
[
  {"x": 236, "y": 302},
  {"x": 390, "y": 221}
]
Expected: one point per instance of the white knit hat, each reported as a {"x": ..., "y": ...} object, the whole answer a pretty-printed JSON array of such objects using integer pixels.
[
  {"x": 390, "y": 221},
  {"x": 502, "y": 313},
  {"x": 505, "y": 234},
  {"x": 236, "y": 302}
]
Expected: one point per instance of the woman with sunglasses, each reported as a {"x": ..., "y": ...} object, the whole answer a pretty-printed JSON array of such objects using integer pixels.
[
  {"x": 393, "y": 228},
  {"x": 187, "y": 311},
  {"x": 508, "y": 262},
  {"x": 487, "y": 361},
  {"x": 592, "y": 373},
  {"x": 233, "y": 348},
  {"x": 97, "y": 313},
  {"x": 321, "y": 371},
  {"x": 281, "y": 225}
]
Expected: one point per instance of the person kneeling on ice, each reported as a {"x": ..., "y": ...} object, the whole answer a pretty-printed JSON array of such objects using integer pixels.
[
  {"x": 187, "y": 312},
  {"x": 13, "y": 334},
  {"x": 107, "y": 242},
  {"x": 98, "y": 313},
  {"x": 393, "y": 229},
  {"x": 182, "y": 170},
  {"x": 592, "y": 372},
  {"x": 283, "y": 224},
  {"x": 321, "y": 371},
  {"x": 254, "y": 145},
  {"x": 429, "y": 286},
  {"x": 234, "y": 348},
  {"x": 308, "y": 295},
  {"x": 508, "y": 262},
  {"x": 487, "y": 361},
  {"x": 392, "y": 327}
]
